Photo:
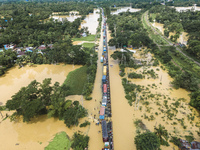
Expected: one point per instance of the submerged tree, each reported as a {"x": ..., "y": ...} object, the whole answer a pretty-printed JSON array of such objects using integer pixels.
[
  {"x": 162, "y": 134},
  {"x": 147, "y": 141}
]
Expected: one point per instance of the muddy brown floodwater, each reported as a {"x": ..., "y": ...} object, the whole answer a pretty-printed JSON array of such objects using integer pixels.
[
  {"x": 37, "y": 133},
  {"x": 182, "y": 38},
  {"x": 124, "y": 115},
  {"x": 91, "y": 21},
  {"x": 124, "y": 9}
]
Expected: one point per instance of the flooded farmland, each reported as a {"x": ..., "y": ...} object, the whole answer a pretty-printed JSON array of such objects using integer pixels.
[
  {"x": 195, "y": 8},
  {"x": 182, "y": 38},
  {"x": 16, "y": 78},
  {"x": 91, "y": 21},
  {"x": 124, "y": 9},
  {"x": 168, "y": 107}
]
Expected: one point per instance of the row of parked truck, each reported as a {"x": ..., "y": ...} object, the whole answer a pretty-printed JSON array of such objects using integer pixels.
[{"x": 105, "y": 110}]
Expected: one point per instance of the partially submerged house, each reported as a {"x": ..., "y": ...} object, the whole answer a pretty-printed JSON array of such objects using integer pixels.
[{"x": 185, "y": 145}]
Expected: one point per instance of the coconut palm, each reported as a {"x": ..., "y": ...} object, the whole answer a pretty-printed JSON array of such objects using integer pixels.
[{"x": 162, "y": 134}]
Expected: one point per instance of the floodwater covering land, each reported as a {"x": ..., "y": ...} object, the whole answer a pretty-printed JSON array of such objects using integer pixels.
[
  {"x": 183, "y": 38},
  {"x": 39, "y": 131},
  {"x": 124, "y": 9},
  {"x": 71, "y": 17},
  {"x": 195, "y": 8},
  {"x": 91, "y": 21},
  {"x": 157, "y": 103},
  {"x": 16, "y": 78}
]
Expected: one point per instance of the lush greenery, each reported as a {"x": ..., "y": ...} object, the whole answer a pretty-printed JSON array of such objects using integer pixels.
[
  {"x": 60, "y": 142},
  {"x": 76, "y": 80},
  {"x": 162, "y": 134},
  {"x": 84, "y": 124},
  {"x": 127, "y": 29},
  {"x": 195, "y": 99},
  {"x": 135, "y": 75},
  {"x": 147, "y": 141},
  {"x": 180, "y": 21},
  {"x": 80, "y": 141},
  {"x": 42, "y": 98},
  {"x": 130, "y": 90},
  {"x": 7, "y": 58},
  {"x": 87, "y": 38},
  {"x": 88, "y": 45},
  {"x": 25, "y": 25}
]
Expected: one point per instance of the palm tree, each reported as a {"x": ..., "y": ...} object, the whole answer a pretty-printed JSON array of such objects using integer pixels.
[{"x": 162, "y": 134}]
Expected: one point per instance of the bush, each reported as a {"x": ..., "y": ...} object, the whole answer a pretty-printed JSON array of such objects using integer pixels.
[
  {"x": 84, "y": 124},
  {"x": 147, "y": 141},
  {"x": 79, "y": 141},
  {"x": 135, "y": 75}
]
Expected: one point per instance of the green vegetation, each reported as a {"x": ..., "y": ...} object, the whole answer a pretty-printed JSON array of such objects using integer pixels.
[
  {"x": 76, "y": 80},
  {"x": 79, "y": 141},
  {"x": 60, "y": 142},
  {"x": 84, "y": 124},
  {"x": 162, "y": 134},
  {"x": 42, "y": 98},
  {"x": 126, "y": 29},
  {"x": 7, "y": 58},
  {"x": 130, "y": 90},
  {"x": 87, "y": 38},
  {"x": 155, "y": 37},
  {"x": 175, "y": 140},
  {"x": 147, "y": 141},
  {"x": 135, "y": 75},
  {"x": 88, "y": 45}
]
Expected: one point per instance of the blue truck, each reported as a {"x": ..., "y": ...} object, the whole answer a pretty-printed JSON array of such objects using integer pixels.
[{"x": 104, "y": 79}]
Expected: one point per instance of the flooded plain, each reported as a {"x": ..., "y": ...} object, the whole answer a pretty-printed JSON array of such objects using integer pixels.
[
  {"x": 91, "y": 21},
  {"x": 183, "y": 38},
  {"x": 40, "y": 131},
  {"x": 195, "y": 8},
  {"x": 124, "y": 9},
  {"x": 37, "y": 133},
  {"x": 71, "y": 17},
  {"x": 167, "y": 106},
  {"x": 16, "y": 78}
]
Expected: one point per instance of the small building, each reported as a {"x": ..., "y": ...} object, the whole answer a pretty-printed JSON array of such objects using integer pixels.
[{"x": 84, "y": 34}]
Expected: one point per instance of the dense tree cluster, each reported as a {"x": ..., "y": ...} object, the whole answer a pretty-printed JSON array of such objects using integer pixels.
[
  {"x": 24, "y": 24},
  {"x": 127, "y": 29},
  {"x": 7, "y": 58},
  {"x": 147, "y": 141},
  {"x": 42, "y": 98},
  {"x": 79, "y": 141}
]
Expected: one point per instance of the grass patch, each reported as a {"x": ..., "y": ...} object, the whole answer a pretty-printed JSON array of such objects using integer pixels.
[
  {"x": 87, "y": 38},
  {"x": 88, "y": 45},
  {"x": 60, "y": 142},
  {"x": 76, "y": 80},
  {"x": 155, "y": 37}
]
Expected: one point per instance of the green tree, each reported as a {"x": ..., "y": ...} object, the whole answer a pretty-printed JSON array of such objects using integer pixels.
[
  {"x": 79, "y": 141},
  {"x": 147, "y": 141},
  {"x": 162, "y": 134},
  {"x": 195, "y": 99}
]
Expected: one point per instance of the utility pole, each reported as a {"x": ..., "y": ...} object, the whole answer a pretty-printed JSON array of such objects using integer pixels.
[{"x": 115, "y": 29}]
